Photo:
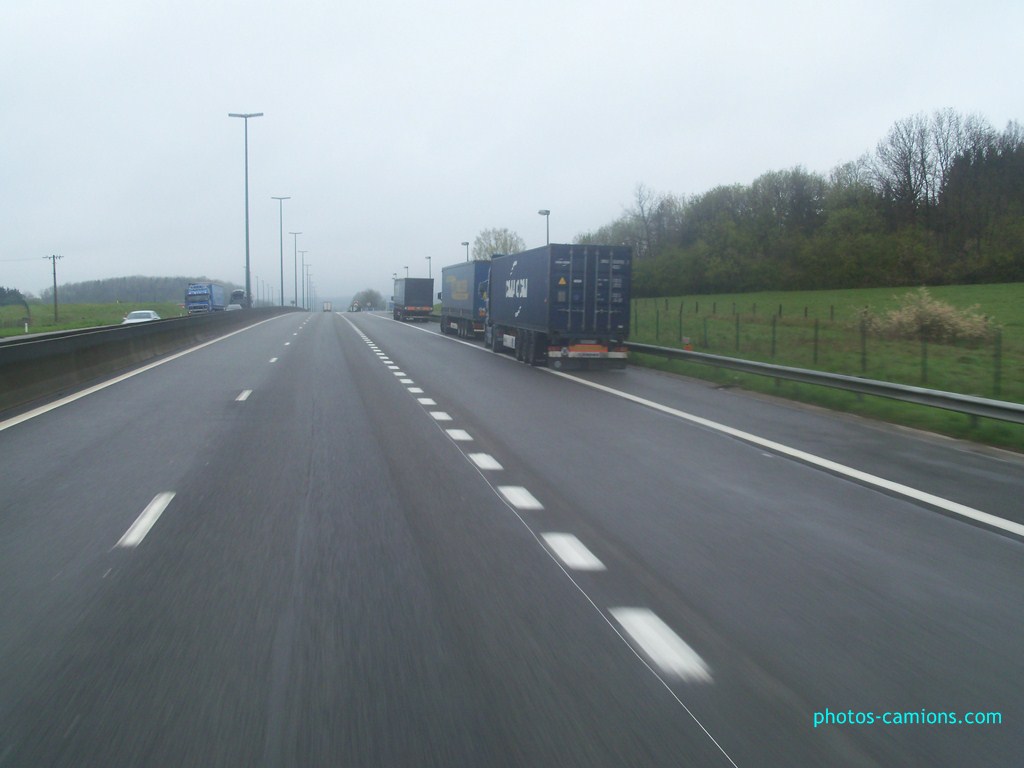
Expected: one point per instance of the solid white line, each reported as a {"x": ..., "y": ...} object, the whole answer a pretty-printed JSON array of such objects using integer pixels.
[
  {"x": 244, "y": 395},
  {"x": 484, "y": 461},
  {"x": 572, "y": 552},
  {"x": 145, "y": 521},
  {"x": 459, "y": 434},
  {"x": 519, "y": 497},
  {"x": 809, "y": 458},
  {"x": 440, "y": 416},
  {"x": 663, "y": 647}
]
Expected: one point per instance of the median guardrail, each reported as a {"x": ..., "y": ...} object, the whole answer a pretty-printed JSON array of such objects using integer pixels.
[{"x": 950, "y": 401}]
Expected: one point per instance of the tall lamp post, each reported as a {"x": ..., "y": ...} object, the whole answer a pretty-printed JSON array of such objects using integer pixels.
[
  {"x": 429, "y": 273},
  {"x": 280, "y": 219},
  {"x": 245, "y": 117},
  {"x": 295, "y": 266},
  {"x": 304, "y": 278},
  {"x": 467, "y": 249},
  {"x": 547, "y": 224},
  {"x": 307, "y": 286}
]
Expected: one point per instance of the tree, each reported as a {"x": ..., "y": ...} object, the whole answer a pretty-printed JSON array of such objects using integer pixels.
[
  {"x": 496, "y": 241},
  {"x": 369, "y": 298}
]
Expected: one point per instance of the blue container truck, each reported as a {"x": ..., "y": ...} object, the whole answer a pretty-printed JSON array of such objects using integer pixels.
[
  {"x": 463, "y": 305},
  {"x": 414, "y": 298},
  {"x": 565, "y": 306},
  {"x": 201, "y": 298}
]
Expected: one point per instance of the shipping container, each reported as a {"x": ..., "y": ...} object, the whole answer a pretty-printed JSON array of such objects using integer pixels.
[
  {"x": 414, "y": 298},
  {"x": 463, "y": 309},
  {"x": 561, "y": 305}
]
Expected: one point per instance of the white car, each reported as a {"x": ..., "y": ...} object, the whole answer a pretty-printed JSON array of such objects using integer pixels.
[{"x": 140, "y": 316}]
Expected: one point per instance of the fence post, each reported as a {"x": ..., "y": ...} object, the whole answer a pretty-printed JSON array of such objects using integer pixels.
[
  {"x": 657, "y": 323},
  {"x": 681, "y": 322},
  {"x": 815, "y": 341},
  {"x": 997, "y": 364},
  {"x": 706, "y": 333},
  {"x": 737, "y": 333},
  {"x": 773, "y": 336},
  {"x": 924, "y": 358},
  {"x": 863, "y": 345}
]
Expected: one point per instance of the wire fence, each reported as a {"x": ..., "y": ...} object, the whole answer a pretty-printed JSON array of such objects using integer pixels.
[{"x": 829, "y": 339}]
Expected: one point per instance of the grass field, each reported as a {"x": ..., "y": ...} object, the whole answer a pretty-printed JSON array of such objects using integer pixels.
[
  {"x": 820, "y": 330},
  {"x": 75, "y": 316}
]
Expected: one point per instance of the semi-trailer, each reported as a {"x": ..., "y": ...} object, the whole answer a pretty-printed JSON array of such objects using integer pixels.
[
  {"x": 414, "y": 298},
  {"x": 565, "y": 306},
  {"x": 463, "y": 298},
  {"x": 201, "y": 298}
]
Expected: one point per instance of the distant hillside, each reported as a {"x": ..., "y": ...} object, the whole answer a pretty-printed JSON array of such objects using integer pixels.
[{"x": 136, "y": 289}]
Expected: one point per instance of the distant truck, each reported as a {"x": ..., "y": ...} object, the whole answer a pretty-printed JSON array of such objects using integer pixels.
[
  {"x": 328, "y": 307},
  {"x": 414, "y": 298},
  {"x": 201, "y": 298},
  {"x": 565, "y": 306},
  {"x": 238, "y": 297},
  {"x": 463, "y": 304}
]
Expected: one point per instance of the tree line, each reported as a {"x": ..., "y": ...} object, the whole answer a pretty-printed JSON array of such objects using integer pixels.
[
  {"x": 136, "y": 289},
  {"x": 940, "y": 201}
]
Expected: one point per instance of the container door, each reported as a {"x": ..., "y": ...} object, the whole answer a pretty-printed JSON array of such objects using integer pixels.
[
  {"x": 611, "y": 291},
  {"x": 569, "y": 289}
]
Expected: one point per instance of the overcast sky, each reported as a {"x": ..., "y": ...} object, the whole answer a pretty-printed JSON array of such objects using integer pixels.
[{"x": 400, "y": 129}]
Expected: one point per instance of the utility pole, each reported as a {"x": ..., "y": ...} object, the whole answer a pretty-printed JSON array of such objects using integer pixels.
[{"x": 54, "y": 260}]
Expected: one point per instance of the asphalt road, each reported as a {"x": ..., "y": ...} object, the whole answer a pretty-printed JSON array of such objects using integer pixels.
[{"x": 339, "y": 540}]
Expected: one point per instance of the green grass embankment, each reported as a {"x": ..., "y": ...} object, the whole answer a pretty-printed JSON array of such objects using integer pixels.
[{"x": 821, "y": 330}]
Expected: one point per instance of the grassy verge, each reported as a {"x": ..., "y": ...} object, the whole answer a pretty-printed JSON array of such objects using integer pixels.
[
  {"x": 819, "y": 330},
  {"x": 72, "y": 316}
]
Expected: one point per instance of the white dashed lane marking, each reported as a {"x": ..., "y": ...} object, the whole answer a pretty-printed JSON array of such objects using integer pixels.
[
  {"x": 519, "y": 497},
  {"x": 138, "y": 530},
  {"x": 572, "y": 552},
  {"x": 484, "y": 460},
  {"x": 243, "y": 395},
  {"x": 665, "y": 649},
  {"x": 459, "y": 435}
]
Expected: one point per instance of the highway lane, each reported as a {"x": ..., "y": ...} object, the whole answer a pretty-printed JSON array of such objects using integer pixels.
[
  {"x": 832, "y": 590},
  {"x": 315, "y": 593},
  {"x": 338, "y": 579}
]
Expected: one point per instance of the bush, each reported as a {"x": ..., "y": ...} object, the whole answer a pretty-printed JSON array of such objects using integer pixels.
[{"x": 919, "y": 316}]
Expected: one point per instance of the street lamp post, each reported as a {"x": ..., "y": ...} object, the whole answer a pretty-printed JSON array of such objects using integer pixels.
[
  {"x": 547, "y": 224},
  {"x": 295, "y": 266},
  {"x": 407, "y": 272},
  {"x": 304, "y": 278},
  {"x": 280, "y": 219},
  {"x": 467, "y": 249},
  {"x": 429, "y": 273},
  {"x": 245, "y": 117}
]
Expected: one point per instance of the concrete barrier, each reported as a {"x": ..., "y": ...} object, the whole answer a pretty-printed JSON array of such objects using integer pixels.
[{"x": 43, "y": 367}]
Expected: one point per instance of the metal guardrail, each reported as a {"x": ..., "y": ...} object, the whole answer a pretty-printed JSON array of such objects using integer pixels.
[{"x": 950, "y": 401}]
